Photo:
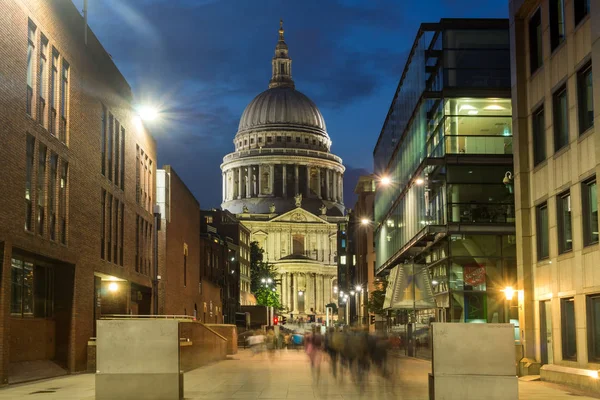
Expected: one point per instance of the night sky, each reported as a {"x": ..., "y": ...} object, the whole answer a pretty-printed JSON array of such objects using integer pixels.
[{"x": 202, "y": 61}]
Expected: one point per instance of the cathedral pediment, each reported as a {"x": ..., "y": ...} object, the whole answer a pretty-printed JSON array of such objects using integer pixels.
[{"x": 299, "y": 215}]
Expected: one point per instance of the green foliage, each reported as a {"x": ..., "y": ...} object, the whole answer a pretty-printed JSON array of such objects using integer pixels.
[
  {"x": 260, "y": 270},
  {"x": 265, "y": 296},
  {"x": 377, "y": 297}
]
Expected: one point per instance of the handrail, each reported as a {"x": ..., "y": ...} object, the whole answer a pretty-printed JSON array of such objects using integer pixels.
[{"x": 131, "y": 316}]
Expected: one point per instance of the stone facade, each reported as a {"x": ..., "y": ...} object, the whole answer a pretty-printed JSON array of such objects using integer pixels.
[{"x": 557, "y": 249}]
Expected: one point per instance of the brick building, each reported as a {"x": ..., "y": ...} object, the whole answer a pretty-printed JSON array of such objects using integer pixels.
[
  {"x": 185, "y": 288},
  {"x": 77, "y": 187}
]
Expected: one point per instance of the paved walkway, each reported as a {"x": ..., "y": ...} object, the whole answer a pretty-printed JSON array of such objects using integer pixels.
[{"x": 284, "y": 376}]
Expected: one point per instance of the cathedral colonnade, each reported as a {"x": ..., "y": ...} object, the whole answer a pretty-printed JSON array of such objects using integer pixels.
[
  {"x": 256, "y": 180},
  {"x": 304, "y": 293}
]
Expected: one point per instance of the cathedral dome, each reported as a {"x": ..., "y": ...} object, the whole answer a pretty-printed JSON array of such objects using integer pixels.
[{"x": 282, "y": 107}]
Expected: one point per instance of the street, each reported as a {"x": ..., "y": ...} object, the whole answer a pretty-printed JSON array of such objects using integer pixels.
[{"x": 284, "y": 376}]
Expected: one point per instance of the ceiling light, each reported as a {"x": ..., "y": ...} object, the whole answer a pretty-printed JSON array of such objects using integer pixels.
[
  {"x": 473, "y": 112},
  {"x": 494, "y": 107},
  {"x": 466, "y": 107}
]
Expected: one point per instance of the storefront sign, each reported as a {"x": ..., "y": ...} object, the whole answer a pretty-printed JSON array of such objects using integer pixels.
[{"x": 474, "y": 275}]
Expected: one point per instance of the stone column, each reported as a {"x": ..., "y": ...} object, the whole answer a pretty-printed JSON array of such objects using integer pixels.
[
  {"x": 318, "y": 295},
  {"x": 327, "y": 188},
  {"x": 240, "y": 182},
  {"x": 272, "y": 179},
  {"x": 224, "y": 188},
  {"x": 295, "y": 294},
  {"x": 249, "y": 181},
  {"x": 319, "y": 183},
  {"x": 296, "y": 177},
  {"x": 260, "y": 175},
  {"x": 341, "y": 188},
  {"x": 333, "y": 186},
  {"x": 284, "y": 180},
  {"x": 308, "y": 181}
]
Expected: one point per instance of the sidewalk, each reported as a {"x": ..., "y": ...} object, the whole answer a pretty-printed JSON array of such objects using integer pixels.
[{"x": 284, "y": 376}]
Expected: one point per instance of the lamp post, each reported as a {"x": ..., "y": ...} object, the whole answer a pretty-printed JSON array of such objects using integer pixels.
[{"x": 509, "y": 292}]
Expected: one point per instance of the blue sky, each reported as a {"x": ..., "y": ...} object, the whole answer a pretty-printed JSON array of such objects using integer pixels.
[{"x": 202, "y": 62}]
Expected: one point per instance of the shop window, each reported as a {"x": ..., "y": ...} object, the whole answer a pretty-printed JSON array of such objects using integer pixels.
[
  {"x": 589, "y": 199},
  {"x": 32, "y": 289},
  {"x": 585, "y": 98},
  {"x": 563, "y": 211},
  {"x": 542, "y": 231},
  {"x": 569, "y": 342}
]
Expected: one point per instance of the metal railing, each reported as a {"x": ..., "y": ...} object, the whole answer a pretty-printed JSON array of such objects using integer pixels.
[
  {"x": 280, "y": 151},
  {"x": 133, "y": 316}
]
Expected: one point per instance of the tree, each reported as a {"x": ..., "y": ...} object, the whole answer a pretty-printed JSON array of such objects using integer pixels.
[
  {"x": 265, "y": 296},
  {"x": 377, "y": 298},
  {"x": 262, "y": 278}
]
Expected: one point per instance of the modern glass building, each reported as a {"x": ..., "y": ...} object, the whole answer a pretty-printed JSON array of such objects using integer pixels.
[{"x": 445, "y": 213}]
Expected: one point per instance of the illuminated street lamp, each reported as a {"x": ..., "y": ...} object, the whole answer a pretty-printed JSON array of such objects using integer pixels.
[
  {"x": 113, "y": 287},
  {"x": 263, "y": 280},
  {"x": 269, "y": 280},
  {"x": 385, "y": 180},
  {"x": 419, "y": 181},
  {"x": 300, "y": 293},
  {"x": 509, "y": 292},
  {"x": 147, "y": 113},
  {"x": 364, "y": 221},
  {"x": 358, "y": 288}
]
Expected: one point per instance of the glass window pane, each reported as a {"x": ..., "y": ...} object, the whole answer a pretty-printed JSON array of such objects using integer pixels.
[
  {"x": 594, "y": 328},
  {"x": 585, "y": 98},
  {"x": 538, "y": 128},
  {"x": 16, "y": 297},
  {"x": 542, "y": 231},
  {"x": 561, "y": 128},
  {"x": 535, "y": 41},
  {"x": 569, "y": 344},
  {"x": 27, "y": 288},
  {"x": 565, "y": 236},
  {"x": 590, "y": 212}
]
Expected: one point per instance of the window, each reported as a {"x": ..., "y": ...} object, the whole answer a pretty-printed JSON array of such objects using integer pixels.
[
  {"x": 251, "y": 140},
  {"x": 102, "y": 223},
  {"x": 32, "y": 289},
  {"x": 289, "y": 138},
  {"x": 209, "y": 219},
  {"x": 116, "y": 236},
  {"x": 121, "y": 235},
  {"x": 41, "y": 189},
  {"x": 62, "y": 201},
  {"x": 138, "y": 189},
  {"x": 52, "y": 183},
  {"x": 260, "y": 140},
  {"x": 589, "y": 212},
  {"x": 109, "y": 235},
  {"x": 122, "y": 158},
  {"x": 563, "y": 218},
  {"x": 64, "y": 101},
  {"x": 343, "y": 260},
  {"x": 593, "y": 325},
  {"x": 269, "y": 139},
  {"x": 103, "y": 135},
  {"x": 561, "y": 123},
  {"x": 585, "y": 98},
  {"x": 535, "y": 42},
  {"x": 137, "y": 243},
  {"x": 582, "y": 9},
  {"x": 557, "y": 23},
  {"x": 538, "y": 128},
  {"x": 305, "y": 140},
  {"x": 42, "y": 81},
  {"x": 185, "y": 268},
  {"x": 117, "y": 152},
  {"x": 542, "y": 231},
  {"x": 30, "y": 64},
  {"x": 109, "y": 135},
  {"x": 29, "y": 183},
  {"x": 279, "y": 138},
  {"x": 567, "y": 325},
  {"x": 297, "y": 139},
  {"x": 52, "y": 93}
]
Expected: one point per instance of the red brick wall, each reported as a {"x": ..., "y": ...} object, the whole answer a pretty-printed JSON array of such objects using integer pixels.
[
  {"x": 32, "y": 339},
  {"x": 94, "y": 79}
]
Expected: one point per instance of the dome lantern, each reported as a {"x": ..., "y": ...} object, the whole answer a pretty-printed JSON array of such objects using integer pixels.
[{"x": 282, "y": 64}]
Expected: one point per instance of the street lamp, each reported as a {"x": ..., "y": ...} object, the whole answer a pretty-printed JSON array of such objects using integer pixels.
[
  {"x": 147, "y": 113},
  {"x": 113, "y": 287},
  {"x": 509, "y": 292},
  {"x": 358, "y": 288},
  {"x": 263, "y": 280},
  {"x": 300, "y": 293},
  {"x": 419, "y": 181},
  {"x": 385, "y": 180},
  {"x": 269, "y": 280},
  {"x": 364, "y": 221}
]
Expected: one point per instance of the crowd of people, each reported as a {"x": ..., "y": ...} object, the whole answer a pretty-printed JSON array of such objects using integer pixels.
[{"x": 348, "y": 351}]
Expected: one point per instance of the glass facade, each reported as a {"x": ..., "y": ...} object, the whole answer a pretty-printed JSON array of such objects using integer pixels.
[{"x": 447, "y": 147}]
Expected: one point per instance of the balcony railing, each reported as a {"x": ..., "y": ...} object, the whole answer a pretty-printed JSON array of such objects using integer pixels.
[
  {"x": 471, "y": 144},
  {"x": 281, "y": 151},
  {"x": 481, "y": 213}
]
